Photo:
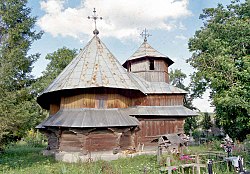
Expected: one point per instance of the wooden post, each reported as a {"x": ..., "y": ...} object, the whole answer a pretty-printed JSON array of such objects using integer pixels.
[
  {"x": 240, "y": 165},
  {"x": 210, "y": 166},
  {"x": 168, "y": 161},
  {"x": 197, "y": 161},
  {"x": 182, "y": 170},
  {"x": 168, "y": 165},
  {"x": 159, "y": 153}
]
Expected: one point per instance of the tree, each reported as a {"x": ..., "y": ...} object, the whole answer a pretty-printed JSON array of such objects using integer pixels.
[
  {"x": 18, "y": 111},
  {"x": 177, "y": 78},
  {"x": 206, "y": 122},
  {"x": 58, "y": 61},
  {"x": 221, "y": 57}
]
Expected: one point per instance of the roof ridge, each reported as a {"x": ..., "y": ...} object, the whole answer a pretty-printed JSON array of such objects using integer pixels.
[
  {"x": 146, "y": 50},
  {"x": 94, "y": 66}
]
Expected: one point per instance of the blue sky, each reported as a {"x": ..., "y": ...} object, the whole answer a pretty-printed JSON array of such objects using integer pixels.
[{"x": 170, "y": 22}]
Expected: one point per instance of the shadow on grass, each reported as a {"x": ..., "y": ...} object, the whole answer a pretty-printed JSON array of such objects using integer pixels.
[{"x": 23, "y": 156}]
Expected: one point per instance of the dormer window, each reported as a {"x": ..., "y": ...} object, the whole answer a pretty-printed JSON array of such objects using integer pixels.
[{"x": 151, "y": 65}]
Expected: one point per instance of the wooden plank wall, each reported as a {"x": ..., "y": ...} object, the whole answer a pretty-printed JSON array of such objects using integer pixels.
[
  {"x": 54, "y": 107},
  {"x": 151, "y": 128},
  {"x": 92, "y": 101},
  {"x": 159, "y": 100},
  {"x": 115, "y": 101},
  {"x": 154, "y": 76},
  {"x": 141, "y": 65},
  {"x": 159, "y": 74}
]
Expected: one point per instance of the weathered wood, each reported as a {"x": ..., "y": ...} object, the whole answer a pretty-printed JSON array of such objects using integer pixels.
[
  {"x": 158, "y": 74},
  {"x": 101, "y": 142},
  {"x": 152, "y": 128},
  {"x": 54, "y": 108},
  {"x": 162, "y": 100},
  {"x": 197, "y": 161},
  {"x": 94, "y": 100}
]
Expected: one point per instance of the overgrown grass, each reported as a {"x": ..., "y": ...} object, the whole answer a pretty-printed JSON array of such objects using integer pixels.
[{"x": 29, "y": 160}]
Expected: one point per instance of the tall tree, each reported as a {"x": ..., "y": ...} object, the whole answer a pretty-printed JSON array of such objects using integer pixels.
[
  {"x": 17, "y": 107},
  {"x": 221, "y": 57},
  {"x": 58, "y": 61},
  {"x": 206, "y": 122},
  {"x": 177, "y": 78}
]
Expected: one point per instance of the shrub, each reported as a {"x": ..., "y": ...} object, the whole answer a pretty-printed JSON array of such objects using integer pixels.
[
  {"x": 216, "y": 145},
  {"x": 34, "y": 138},
  {"x": 197, "y": 134}
]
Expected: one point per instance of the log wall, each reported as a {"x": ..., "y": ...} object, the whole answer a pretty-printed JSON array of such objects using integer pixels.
[
  {"x": 107, "y": 139},
  {"x": 101, "y": 141},
  {"x": 72, "y": 142},
  {"x": 90, "y": 140}
]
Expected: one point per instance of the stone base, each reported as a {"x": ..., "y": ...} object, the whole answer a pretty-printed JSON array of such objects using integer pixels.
[
  {"x": 49, "y": 152},
  {"x": 73, "y": 157}
]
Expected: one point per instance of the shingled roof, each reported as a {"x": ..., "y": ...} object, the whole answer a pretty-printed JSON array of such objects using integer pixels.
[
  {"x": 92, "y": 117},
  {"x": 94, "y": 66},
  {"x": 146, "y": 50},
  {"x": 155, "y": 87},
  {"x": 89, "y": 117}
]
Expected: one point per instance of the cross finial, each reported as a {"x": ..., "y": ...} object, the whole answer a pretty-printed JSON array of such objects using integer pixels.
[
  {"x": 95, "y": 17},
  {"x": 145, "y": 34}
]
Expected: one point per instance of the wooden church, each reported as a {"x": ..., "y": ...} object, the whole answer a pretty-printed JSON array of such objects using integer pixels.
[{"x": 97, "y": 104}]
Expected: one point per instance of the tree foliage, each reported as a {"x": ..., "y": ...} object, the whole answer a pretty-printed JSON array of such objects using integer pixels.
[
  {"x": 18, "y": 110},
  {"x": 177, "y": 78},
  {"x": 58, "y": 61},
  {"x": 206, "y": 122},
  {"x": 221, "y": 57}
]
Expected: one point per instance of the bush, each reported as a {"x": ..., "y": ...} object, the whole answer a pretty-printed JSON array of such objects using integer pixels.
[
  {"x": 197, "y": 135},
  {"x": 247, "y": 142},
  {"x": 34, "y": 138},
  {"x": 216, "y": 145}
]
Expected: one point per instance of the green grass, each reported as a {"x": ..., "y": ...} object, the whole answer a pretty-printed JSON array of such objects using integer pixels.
[
  {"x": 29, "y": 160},
  {"x": 18, "y": 159}
]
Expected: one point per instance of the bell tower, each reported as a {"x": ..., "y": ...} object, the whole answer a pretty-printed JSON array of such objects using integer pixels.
[{"x": 148, "y": 63}]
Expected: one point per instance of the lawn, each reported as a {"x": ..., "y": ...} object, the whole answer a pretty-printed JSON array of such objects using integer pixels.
[
  {"x": 21, "y": 158},
  {"x": 29, "y": 160}
]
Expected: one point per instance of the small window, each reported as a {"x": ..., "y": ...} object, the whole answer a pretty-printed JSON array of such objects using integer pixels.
[
  {"x": 129, "y": 67},
  {"x": 151, "y": 65},
  {"x": 101, "y": 103}
]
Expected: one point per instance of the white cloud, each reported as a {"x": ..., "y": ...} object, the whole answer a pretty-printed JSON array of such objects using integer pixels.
[
  {"x": 182, "y": 26},
  {"x": 121, "y": 18},
  {"x": 181, "y": 37},
  {"x": 204, "y": 103}
]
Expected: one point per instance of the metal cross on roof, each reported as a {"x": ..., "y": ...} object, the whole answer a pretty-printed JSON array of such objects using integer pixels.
[
  {"x": 95, "y": 17},
  {"x": 145, "y": 34}
]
